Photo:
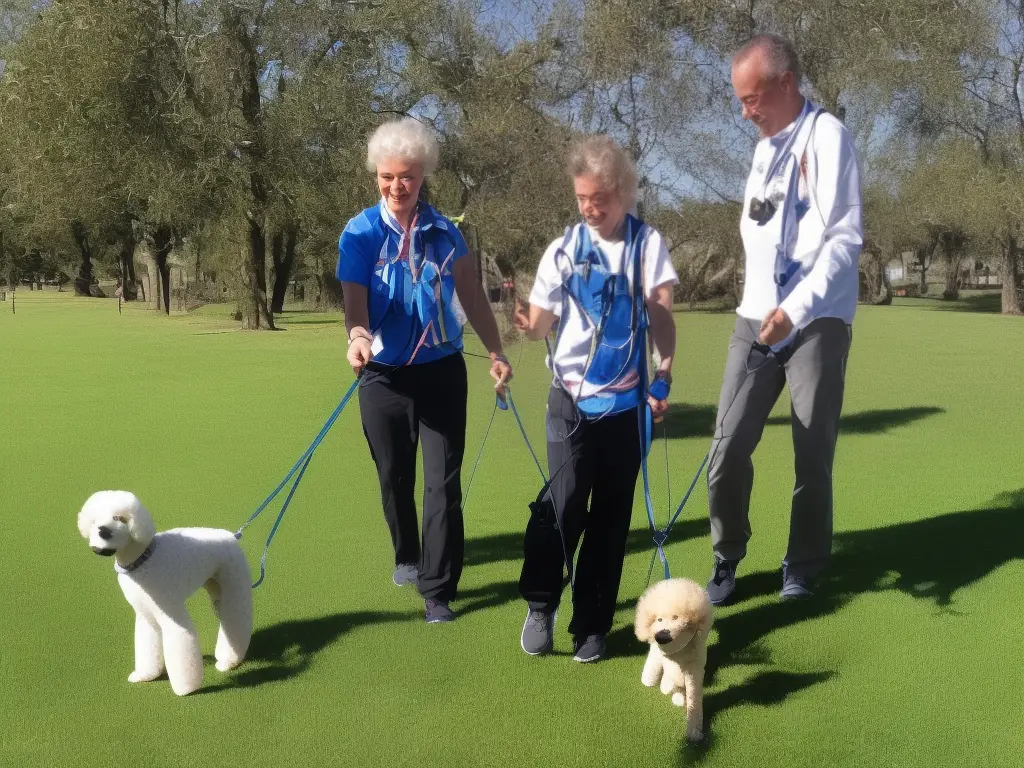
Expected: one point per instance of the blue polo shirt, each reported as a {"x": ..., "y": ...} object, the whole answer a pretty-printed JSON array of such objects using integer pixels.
[{"x": 414, "y": 313}]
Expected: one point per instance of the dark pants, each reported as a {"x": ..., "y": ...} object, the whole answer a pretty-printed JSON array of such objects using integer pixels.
[
  {"x": 815, "y": 371},
  {"x": 601, "y": 461},
  {"x": 400, "y": 407}
]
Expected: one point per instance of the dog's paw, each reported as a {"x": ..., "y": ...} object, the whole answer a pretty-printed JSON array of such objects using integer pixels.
[
  {"x": 649, "y": 680},
  {"x": 225, "y": 665},
  {"x": 679, "y": 699},
  {"x": 139, "y": 677},
  {"x": 694, "y": 735}
]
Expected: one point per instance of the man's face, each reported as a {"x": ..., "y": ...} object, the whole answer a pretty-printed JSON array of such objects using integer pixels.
[{"x": 765, "y": 98}]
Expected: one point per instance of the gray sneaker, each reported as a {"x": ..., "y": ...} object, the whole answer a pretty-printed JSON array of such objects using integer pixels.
[
  {"x": 538, "y": 635},
  {"x": 590, "y": 650},
  {"x": 405, "y": 574},
  {"x": 438, "y": 612},
  {"x": 795, "y": 587},
  {"x": 723, "y": 581}
]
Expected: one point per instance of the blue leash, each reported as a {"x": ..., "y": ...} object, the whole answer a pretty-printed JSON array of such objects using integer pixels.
[{"x": 300, "y": 467}]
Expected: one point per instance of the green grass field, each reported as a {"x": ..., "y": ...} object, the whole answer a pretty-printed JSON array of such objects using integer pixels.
[{"x": 910, "y": 657}]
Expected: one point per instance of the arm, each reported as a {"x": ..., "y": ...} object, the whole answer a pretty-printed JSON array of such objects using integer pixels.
[
  {"x": 478, "y": 312},
  {"x": 354, "y": 271},
  {"x": 837, "y": 193},
  {"x": 536, "y": 322},
  {"x": 663, "y": 326}
]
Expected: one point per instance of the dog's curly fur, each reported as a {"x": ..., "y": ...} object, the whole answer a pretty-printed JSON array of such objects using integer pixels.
[
  {"x": 674, "y": 617},
  {"x": 182, "y": 560}
]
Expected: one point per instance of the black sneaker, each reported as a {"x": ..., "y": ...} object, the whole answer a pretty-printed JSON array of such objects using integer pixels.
[
  {"x": 723, "y": 582},
  {"x": 438, "y": 612},
  {"x": 538, "y": 635},
  {"x": 590, "y": 649},
  {"x": 795, "y": 587}
]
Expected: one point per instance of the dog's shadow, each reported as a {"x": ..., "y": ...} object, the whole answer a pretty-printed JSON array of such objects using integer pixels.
[{"x": 285, "y": 650}]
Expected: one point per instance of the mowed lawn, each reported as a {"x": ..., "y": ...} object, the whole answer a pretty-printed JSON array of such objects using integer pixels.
[{"x": 911, "y": 656}]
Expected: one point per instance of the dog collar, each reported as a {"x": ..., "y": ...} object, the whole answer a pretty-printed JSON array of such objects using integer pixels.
[{"x": 138, "y": 561}]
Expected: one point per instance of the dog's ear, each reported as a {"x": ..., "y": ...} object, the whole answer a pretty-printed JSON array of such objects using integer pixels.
[
  {"x": 140, "y": 524},
  {"x": 644, "y": 620},
  {"x": 85, "y": 522},
  {"x": 707, "y": 614}
]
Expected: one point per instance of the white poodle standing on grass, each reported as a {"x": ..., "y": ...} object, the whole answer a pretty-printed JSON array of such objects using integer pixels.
[
  {"x": 674, "y": 617},
  {"x": 157, "y": 573}
]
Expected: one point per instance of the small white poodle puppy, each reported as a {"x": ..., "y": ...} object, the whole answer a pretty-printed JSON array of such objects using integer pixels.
[
  {"x": 157, "y": 573},
  {"x": 674, "y": 616}
]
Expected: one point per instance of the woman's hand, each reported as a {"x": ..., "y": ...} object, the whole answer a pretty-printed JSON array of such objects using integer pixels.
[
  {"x": 658, "y": 408},
  {"x": 501, "y": 372},
  {"x": 359, "y": 353},
  {"x": 521, "y": 317}
]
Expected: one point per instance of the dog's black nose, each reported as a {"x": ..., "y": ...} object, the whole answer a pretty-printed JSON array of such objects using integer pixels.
[
  {"x": 663, "y": 636},
  {"x": 104, "y": 533}
]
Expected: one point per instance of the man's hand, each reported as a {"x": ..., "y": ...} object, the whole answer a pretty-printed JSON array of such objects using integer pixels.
[{"x": 776, "y": 327}]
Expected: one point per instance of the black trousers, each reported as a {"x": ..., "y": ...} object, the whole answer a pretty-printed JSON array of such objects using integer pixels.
[
  {"x": 601, "y": 461},
  {"x": 402, "y": 407}
]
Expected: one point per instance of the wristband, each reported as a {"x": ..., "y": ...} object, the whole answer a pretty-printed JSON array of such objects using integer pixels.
[{"x": 661, "y": 386}]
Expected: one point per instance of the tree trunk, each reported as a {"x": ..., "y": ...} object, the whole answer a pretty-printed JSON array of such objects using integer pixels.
[
  {"x": 255, "y": 310},
  {"x": 85, "y": 277},
  {"x": 283, "y": 255},
  {"x": 953, "y": 264},
  {"x": 163, "y": 242},
  {"x": 1013, "y": 300},
  {"x": 129, "y": 284}
]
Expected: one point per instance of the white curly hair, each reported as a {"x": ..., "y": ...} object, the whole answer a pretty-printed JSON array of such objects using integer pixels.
[{"x": 406, "y": 139}]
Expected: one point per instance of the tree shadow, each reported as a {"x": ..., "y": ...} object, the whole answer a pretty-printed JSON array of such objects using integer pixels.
[
  {"x": 684, "y": 420},
  {"x": 285, "y": 650},
  {"x": 991, "y": 303},
  {"x": 874, "y": 421}
]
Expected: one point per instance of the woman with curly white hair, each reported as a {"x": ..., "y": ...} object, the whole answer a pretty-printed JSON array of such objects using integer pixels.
[
  {"x": 607, "y": 283},
  {"x": 408, "y": 282}
]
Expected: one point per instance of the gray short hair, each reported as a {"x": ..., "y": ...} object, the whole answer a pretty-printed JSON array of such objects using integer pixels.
[
  {"x": 406, "y": 139},
  {"x": 779, "y": 53},
  {"x": 601, "y": 156}
]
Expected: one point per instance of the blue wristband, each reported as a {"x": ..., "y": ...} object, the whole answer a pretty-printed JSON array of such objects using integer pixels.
[{"x": 659, "y": 389}]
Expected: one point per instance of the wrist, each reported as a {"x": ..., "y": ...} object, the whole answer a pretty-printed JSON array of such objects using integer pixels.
[
  {"x": 359, "y": 333},
  {"x": 499, "y": 356}
]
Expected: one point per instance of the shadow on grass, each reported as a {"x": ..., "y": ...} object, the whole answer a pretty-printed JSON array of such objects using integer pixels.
[
  {"x": 931, "y": 559},
  {"x": 875, "y": 421},
  {"x": 285, "y": 650},
  {"x": 991, "y": 303},
  {"x": 683, "y": 421},
  {"x": 503, "y": 547}
]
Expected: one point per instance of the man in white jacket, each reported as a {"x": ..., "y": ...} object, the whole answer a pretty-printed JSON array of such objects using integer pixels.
[{"x": 802, "y": 236}]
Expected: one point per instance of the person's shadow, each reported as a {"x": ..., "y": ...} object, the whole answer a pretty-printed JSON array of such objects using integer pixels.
[{"x": 931, "y": 559}]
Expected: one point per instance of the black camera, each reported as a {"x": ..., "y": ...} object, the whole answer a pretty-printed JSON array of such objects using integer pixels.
[{"x": 761, "y": 211}]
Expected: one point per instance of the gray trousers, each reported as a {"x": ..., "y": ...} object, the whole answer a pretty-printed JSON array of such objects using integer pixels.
[{"x": 814, "y": 366}]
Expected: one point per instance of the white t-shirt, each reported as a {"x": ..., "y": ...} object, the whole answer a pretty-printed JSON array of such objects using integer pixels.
[{"x": 576, "y": 333}]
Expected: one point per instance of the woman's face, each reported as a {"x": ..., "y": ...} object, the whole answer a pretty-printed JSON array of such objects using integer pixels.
[
  {"x": 601, "y": 208},
  {"x": 399, "y": 182}
]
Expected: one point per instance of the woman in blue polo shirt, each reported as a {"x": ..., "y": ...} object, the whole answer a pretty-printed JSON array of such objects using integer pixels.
[{"x": 408, "y": 287}]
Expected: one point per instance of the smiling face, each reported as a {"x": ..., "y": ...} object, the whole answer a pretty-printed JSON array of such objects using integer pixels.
[
  {"x": 601, "y": 207},
  {"x": 399, "y": 182},
  {"x": 767, "y": 99}
]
